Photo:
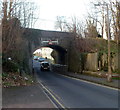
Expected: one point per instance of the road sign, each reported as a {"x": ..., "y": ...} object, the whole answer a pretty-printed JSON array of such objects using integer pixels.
[{"x": 50, "y": 42}]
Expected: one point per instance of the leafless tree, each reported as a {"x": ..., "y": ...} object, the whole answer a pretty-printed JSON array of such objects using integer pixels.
[
  {"x": 117, "y": 27},
  {"x": 16, "y": 16},
  {"x": 60, "y": 23},
  {"x": 91, "y": 29},
  {"x": 98, "y": 22},
  {"x": 70, "y": 25}
]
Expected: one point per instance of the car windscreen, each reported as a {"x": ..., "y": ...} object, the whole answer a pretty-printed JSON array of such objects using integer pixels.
[{"x": 45, "y": 64}]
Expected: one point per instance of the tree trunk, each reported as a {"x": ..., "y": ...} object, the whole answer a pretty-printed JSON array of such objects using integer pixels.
[{"x": 109, "y": 77}]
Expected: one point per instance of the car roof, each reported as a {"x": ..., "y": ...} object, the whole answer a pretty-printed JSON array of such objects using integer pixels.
[{"x": 41, "y": 58}]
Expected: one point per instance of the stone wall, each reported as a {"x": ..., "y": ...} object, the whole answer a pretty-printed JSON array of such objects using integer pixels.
[
  {"x": 91, "y": 62},
  {"x": 114, "y": 62}
]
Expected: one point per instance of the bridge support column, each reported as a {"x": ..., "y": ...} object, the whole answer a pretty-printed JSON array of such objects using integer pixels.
[{"x": 30, "y": 65}]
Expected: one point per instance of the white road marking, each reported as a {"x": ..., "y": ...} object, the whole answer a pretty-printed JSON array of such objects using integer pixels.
[{"x": 90, "y": 82}]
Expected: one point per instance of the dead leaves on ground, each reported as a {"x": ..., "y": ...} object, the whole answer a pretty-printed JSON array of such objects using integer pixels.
[{"x": 14, "y": 79}]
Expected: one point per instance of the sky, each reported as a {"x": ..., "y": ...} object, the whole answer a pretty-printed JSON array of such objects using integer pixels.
[{"x": 49, "y": 9}]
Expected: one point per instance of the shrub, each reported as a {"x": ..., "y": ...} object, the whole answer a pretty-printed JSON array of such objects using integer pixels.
[{"x": 10, "y": 66}]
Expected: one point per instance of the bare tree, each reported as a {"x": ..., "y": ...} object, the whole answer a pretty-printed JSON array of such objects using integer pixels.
[
  {"x": 118, "y": 21},
  {"x": 16, "y": 15},
  {"x": 91, "y": 29},
  {"x": 70, "y": 25},
  {"x": 98, "y": 22},
  {"x": 60, "y": 23}
]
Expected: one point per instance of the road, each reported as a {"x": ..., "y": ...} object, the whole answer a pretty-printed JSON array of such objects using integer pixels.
[{"x": 74, "y": 93}]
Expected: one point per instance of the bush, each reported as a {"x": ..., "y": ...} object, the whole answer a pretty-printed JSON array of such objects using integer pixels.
[{"x": 10, "y": 66}]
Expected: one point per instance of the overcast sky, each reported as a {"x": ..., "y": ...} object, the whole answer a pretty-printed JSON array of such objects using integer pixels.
[{"x": 49, "y": 9}]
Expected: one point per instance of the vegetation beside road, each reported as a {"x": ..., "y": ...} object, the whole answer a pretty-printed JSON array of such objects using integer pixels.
[
  {"x": 14, "y": 75},
  {"x": 89, "y": 46},
  {"x": 14, "y": 79}
]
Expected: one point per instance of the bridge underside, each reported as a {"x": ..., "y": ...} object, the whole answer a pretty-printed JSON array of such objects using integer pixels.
[{"x": 62, "y": 53}]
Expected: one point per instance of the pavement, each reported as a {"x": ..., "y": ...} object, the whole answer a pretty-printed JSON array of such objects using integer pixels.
[
  {"x": 32, "y": 96},
  {"x": 25, "y": 97},
  {"x": 98, "y": 80}
]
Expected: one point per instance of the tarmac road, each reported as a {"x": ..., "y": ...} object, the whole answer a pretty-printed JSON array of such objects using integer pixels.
[{"x": 74, "y": 93}]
